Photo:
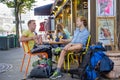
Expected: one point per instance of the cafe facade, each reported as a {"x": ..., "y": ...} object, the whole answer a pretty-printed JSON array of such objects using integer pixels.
[{"x": 101, "y": 15}]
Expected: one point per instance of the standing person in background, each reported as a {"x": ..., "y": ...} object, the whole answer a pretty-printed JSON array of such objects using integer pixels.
[{"x": 78, "y": 41}]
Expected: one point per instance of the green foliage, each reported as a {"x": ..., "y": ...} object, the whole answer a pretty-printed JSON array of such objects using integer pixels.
[
  {"x": 10, "y": 4},
  {"x": 26, "y": 5},
  {"x": 3, "y": 1},
  {"x": 21, "y": 5}
]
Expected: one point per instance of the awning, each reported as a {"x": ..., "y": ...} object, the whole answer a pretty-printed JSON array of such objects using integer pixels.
[{"x": 43, "y": 10}]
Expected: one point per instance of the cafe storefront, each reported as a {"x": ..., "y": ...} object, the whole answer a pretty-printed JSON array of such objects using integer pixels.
[{"x": 97, "y": 12}]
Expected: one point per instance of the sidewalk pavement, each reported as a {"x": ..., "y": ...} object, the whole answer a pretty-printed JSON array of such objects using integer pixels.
[{"x": 14, "y": 56}]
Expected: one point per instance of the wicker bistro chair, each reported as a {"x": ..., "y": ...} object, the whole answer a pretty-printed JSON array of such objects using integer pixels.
[
  {"x": 25, "y": 44},
  {"x": 78, "y": 56}
]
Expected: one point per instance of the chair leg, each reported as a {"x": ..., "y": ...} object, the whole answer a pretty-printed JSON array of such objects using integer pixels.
[
  {"x": 72, "y": 58},
  {"x": 68, "y": 59},
  {"x": 57, "y": 57},
  {"x": 22, "y": 62},
  {"x": 27, "y": 66},
  {"x": 76, "y": 57},
  {"x": 64, "y": 65},
  {"x": 80, "y": 59}
]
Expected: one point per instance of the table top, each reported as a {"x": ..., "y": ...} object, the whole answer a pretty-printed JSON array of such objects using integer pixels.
[{"x": 54, "y": 42}]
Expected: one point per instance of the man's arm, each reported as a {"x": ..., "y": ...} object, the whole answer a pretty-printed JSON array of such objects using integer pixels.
[
  {"x": 66, "y": 40},
  {"x": 24, "y": 38}
]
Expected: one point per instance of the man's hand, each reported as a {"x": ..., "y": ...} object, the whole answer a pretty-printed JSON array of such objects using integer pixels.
[
  {"x": 24, "y": 38},
  {"x": 67, "y": 46},
  {"x": 38, "y": 39}
]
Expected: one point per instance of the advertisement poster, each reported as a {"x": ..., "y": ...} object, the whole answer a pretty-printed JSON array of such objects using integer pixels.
[
  {"x": 105, "y": 7},
  {"x": 105, "y": 30}
]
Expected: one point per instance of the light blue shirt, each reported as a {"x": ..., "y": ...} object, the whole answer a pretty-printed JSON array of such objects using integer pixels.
[{"x": 80, "y": 36}]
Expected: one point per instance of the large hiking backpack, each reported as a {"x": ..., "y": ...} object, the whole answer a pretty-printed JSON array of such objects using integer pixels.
[{"x": 90, "y": 67}]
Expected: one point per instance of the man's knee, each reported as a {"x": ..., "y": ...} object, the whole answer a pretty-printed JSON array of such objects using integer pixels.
[{"x": 63, "y": 52}]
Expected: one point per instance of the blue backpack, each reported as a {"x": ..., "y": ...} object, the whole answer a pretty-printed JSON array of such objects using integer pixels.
[
  {"x": 94, "y": 63},
  {"x": 97, "y": 55},
  {"x": 99, "y": 63}
]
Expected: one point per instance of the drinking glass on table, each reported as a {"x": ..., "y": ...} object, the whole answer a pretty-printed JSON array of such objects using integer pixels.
[
  {"x": 48, "y": 37},
  {"x": 60, "y": 37},
  {"x": 54, "y": 37}
]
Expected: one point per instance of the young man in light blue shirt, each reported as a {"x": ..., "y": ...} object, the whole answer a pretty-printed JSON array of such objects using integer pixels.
[{"x": 76, "y": 43}]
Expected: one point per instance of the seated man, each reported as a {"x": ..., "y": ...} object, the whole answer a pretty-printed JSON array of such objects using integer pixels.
[
  {"x": 78, "y": 41},
  {"x": 31, "y": 37}
]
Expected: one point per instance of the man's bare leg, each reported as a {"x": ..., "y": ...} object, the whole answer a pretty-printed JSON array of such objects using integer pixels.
[{"x": 61, "y": 59}]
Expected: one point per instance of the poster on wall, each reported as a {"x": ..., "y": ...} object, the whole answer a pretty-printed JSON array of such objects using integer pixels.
[
  {"x": 42, "y": 26},
  {"x": 105, "y": 30},
  {"x": 105, "y": 7}
]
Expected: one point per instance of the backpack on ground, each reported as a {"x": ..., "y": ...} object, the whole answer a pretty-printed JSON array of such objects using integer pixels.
[
  {"x": 92, "y": 65},
  {"x": 42, "y": 70}
]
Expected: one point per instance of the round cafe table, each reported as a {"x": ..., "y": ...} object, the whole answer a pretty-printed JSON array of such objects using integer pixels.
[{"x": 54, "y": 42}]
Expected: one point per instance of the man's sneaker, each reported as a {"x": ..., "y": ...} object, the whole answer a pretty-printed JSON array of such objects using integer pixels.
[{"x": 55, "y": 75}]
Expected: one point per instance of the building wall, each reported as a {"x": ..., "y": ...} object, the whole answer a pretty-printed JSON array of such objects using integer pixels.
[
  {"x": 92, "y": 20},
  {"x": 118, "y": 21},
  {"x": 92, "y": 17},
  {"x": 118, "y": 15}
]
